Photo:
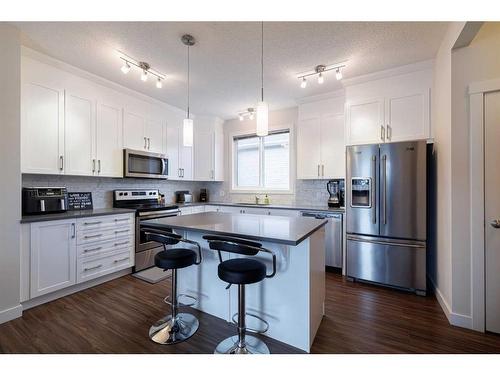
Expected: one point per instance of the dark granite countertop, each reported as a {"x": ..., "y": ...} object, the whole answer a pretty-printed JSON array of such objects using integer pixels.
[
  {"x": 294, "y": 206},
  {"x": 278, "y": 229},
  {"x": 75, "y": 214}
]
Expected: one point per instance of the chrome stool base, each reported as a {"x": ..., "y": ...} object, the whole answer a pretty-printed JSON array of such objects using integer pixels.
[
  {"x": 253, "y": 345},
  {"x": 167, "y": 331}
]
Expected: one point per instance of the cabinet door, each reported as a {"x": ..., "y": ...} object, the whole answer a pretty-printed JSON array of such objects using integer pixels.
[
  {"x": 219, "y": 155},
  {"x": 155, "y": 136},
  {"x": 365, "y": 121},
  {"x": 133, "y": 131},
  {"x": 308, "y": 149},
  {"x": 53, "y": 256},
  {"x": 203, "y": 155},
  {"x": 408, "y": 116},
  {"x": 109, "y": 140},
  {"x": 186, "y": 162},
  {"x": 79, "y": 134},
  {"x": 42, "y": 128},
  {"x": 173, "y": 137},
  {"x": 332, "y": 146}
]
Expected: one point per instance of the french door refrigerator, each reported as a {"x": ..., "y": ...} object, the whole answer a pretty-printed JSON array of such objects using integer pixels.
[{"x": 386, "y": 214}]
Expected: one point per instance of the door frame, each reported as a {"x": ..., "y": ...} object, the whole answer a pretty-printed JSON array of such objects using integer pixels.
[{"x": 477, "y": 91}]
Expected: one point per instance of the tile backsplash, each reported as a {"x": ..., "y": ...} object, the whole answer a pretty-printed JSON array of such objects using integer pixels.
[{"x": 306, "y": 191}]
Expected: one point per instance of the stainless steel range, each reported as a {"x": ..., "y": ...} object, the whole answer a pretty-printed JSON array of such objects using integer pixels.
[{"x": 147, "y": 206}]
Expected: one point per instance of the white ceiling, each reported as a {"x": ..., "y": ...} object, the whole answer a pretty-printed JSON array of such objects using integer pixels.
[{"x": 225, "y": 62}]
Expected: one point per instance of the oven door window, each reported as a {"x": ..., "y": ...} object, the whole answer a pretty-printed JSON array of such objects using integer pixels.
[
  {"x": 146, "y": 165},
  {"x": 361, "y": 192}
]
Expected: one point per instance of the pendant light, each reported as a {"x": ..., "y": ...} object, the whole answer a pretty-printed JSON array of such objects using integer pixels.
[
  {"x": 187, "y": 125},
  {"x": 262, "y": 106}
]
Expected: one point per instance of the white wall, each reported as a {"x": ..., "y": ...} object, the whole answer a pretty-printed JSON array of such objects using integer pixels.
[
  {"x": 440, "y": 246},
  {"x": 10, "y": 186},
  {"x": 477, "y": 62}
]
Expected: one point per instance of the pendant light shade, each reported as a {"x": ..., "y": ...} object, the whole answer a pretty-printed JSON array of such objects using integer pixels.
[
  {"x": 262, "y": 119},
  {"x": 187, "y": 125},
  {"x": 262, "y": 107},
  {"x": 187, "y": 132}
]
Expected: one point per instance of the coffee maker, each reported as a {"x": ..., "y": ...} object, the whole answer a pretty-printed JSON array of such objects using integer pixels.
[{"x": 336, "y": 188}]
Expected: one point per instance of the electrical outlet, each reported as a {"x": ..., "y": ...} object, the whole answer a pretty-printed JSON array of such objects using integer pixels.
[{"x": 222, "y": 193}]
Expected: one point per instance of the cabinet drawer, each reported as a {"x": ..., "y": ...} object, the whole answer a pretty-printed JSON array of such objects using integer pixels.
[
  {"x": 105, "y": 234},
  {"x": 104, "y": 222},
  {"x": 90, "y": 269},
  {"x": 104, "y": 247}
]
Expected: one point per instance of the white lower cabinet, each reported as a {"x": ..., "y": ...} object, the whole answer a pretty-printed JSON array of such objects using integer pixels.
[
  {"x": 63, "y": 253},
  {"x": 53, "y": 256}
]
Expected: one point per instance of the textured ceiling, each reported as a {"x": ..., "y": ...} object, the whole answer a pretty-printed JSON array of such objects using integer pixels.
[{"x": 225, "y": 62}]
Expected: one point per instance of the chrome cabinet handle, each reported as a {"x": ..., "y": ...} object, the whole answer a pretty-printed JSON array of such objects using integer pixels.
[
  {"x": 149, "y": 143},
  {"x": 93, "y": 165},
  {"x": 384, "y": 193},
  {"x": 318, "y": 170},
  {"x": 73, "y": 228},
  {"x": 374, "y": 184},
  {"x": 389, "y": 132},
  {"x": 495, "y": 223},
  {"x": 92, "y": 222},
  {"x": 122, "y": 231},
  {"x": 322, "y": 170},
  {"x": 92, "y": 268},
  {"x": 145, "y": 142},
  {"x": 61, "y": 162},
  {"x": 91, "y": 250},
  {"x": 121, "y": 243},
  {"x": 382, "y": 132},
  {"x": 124, "y": 219},
  {"x": 120, "y": 260},
  {"x": 94, "y": 236},
  {"x": 99, "y": 166}
]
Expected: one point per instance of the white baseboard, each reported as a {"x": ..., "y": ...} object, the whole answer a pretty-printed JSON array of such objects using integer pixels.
[
  {"x": 11, "y": 313},
  {"x": 73, "y": 289},
  {"x": 459, "y": 320}
]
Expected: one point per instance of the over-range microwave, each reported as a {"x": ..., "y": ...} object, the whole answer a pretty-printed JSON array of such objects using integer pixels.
[{"x": 144, "y": 164}]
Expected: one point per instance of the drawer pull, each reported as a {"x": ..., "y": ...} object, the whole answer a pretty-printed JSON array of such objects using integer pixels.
[
  {"x": 121, "y": 260},
  {"x": 92, "y": 222},
  {"x": 92, "y": 268},
  {"x": 125, "y": 219},
  {"x": 121, "y": 243},
  {"x": 94, "y": 236},
  {"x": 122, "y": 231},
  {"x": 94, "y": 249}
]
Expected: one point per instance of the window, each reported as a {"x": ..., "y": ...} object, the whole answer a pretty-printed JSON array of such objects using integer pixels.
[{"x": 262, "y": 163}]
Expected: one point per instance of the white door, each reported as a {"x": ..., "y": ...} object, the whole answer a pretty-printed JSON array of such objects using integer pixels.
[
  {"x": 332, "y": 146},
  {"x": 155, "y": 136},
  {"x": 203, "y": 155},
  {"x": 133, "y": 131},
  {"x": 308, "y": 149},
  {"x": 79, "y": 134},
  {"x": 109, "y": 140},
  {"x": 173, "y": 136},
  {"x": 365, "y": 121},
  {"x": 42, "y": 129},
  {"x": 407, "y": 116},
  {"x": 492, "y": 210},
  {"x": 53, "y": 256}
]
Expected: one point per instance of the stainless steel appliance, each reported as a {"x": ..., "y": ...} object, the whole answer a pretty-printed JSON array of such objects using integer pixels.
[
  {"x": 336, "y": 189},
  {"x": 147, "y": 207},
  {"x": 144, "y": 164},
  {"x": 333, "y": 236},
  {"x": 386, "y": 214},
  {"x": 183, "y": 196},
  {"x": 43, "y": 200}
]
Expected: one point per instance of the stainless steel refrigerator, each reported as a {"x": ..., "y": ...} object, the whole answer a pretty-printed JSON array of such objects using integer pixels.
[{"x": 386, "y": 203}]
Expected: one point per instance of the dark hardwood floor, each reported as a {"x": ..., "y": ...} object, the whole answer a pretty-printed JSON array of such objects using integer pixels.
[{"x": 115, "y": 317}]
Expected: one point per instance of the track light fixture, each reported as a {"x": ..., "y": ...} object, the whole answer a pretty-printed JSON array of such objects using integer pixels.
[
  {"x": 146, "y": 69},
  {"x": 249, "y": 113},
  {"x": 320, "y": 71}
]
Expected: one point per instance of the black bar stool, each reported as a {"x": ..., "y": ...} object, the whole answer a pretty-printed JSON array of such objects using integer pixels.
[
  {"x": 176, "y": 327},
  {"x": 241, "y": 271}
]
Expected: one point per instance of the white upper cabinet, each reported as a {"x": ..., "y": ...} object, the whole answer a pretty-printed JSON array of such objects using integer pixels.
[
  {"x": 134, "y": 136},
  {"x": 320, "y": 139},
  {"x": 79, "y": 134},
  {"x": 42, "y": 127},
  {"x": 155, "y": 135},
  {"x": 392, "y": 109},
  {"x": 109, "y": 144},
  {"x": 208, "y": 150},
  {"x": 180, "y": 157}
]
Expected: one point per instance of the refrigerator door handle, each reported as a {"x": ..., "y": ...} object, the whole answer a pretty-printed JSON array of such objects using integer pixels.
[
  {"x": 384, "y": 190},
  {"x": 373, "y": 191},
  {"x": 391, "y": 243}
]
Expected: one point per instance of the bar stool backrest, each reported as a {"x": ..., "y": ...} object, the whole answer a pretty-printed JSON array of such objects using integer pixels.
[
  {"x": 233, "y": 245},
  {"x": 165, "y": 238}
]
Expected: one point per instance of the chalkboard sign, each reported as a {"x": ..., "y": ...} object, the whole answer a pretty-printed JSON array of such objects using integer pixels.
[{"x": 80, "y": 201}]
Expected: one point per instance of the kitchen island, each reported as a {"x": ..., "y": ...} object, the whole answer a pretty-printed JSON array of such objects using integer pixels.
[{"x": 292, "y": 302}]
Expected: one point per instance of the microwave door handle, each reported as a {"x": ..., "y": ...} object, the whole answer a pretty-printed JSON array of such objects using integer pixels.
[
  {"x": 163, "y": 167},
  {"x": 373, "y": 190}
]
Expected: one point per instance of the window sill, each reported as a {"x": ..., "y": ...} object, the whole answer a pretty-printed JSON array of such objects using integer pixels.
[{"x": 262, "y": 192}]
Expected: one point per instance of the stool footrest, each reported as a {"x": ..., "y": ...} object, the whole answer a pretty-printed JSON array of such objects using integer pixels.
[
  {"x": 235, "y": 321},
  {"x": 179, "y": 304}
]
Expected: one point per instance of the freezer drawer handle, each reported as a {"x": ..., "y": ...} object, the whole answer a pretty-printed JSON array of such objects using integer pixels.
[{"x": 386, "y": 243}]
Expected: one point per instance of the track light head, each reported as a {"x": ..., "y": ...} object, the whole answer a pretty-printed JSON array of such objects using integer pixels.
[
  {"x": 159, "y": 84},
  {"x": 338, "y": 74},
  {"x": 321, "y": 79},
  {"x": 125, "y": 68},
  {"x": 303, "y": 83}
]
